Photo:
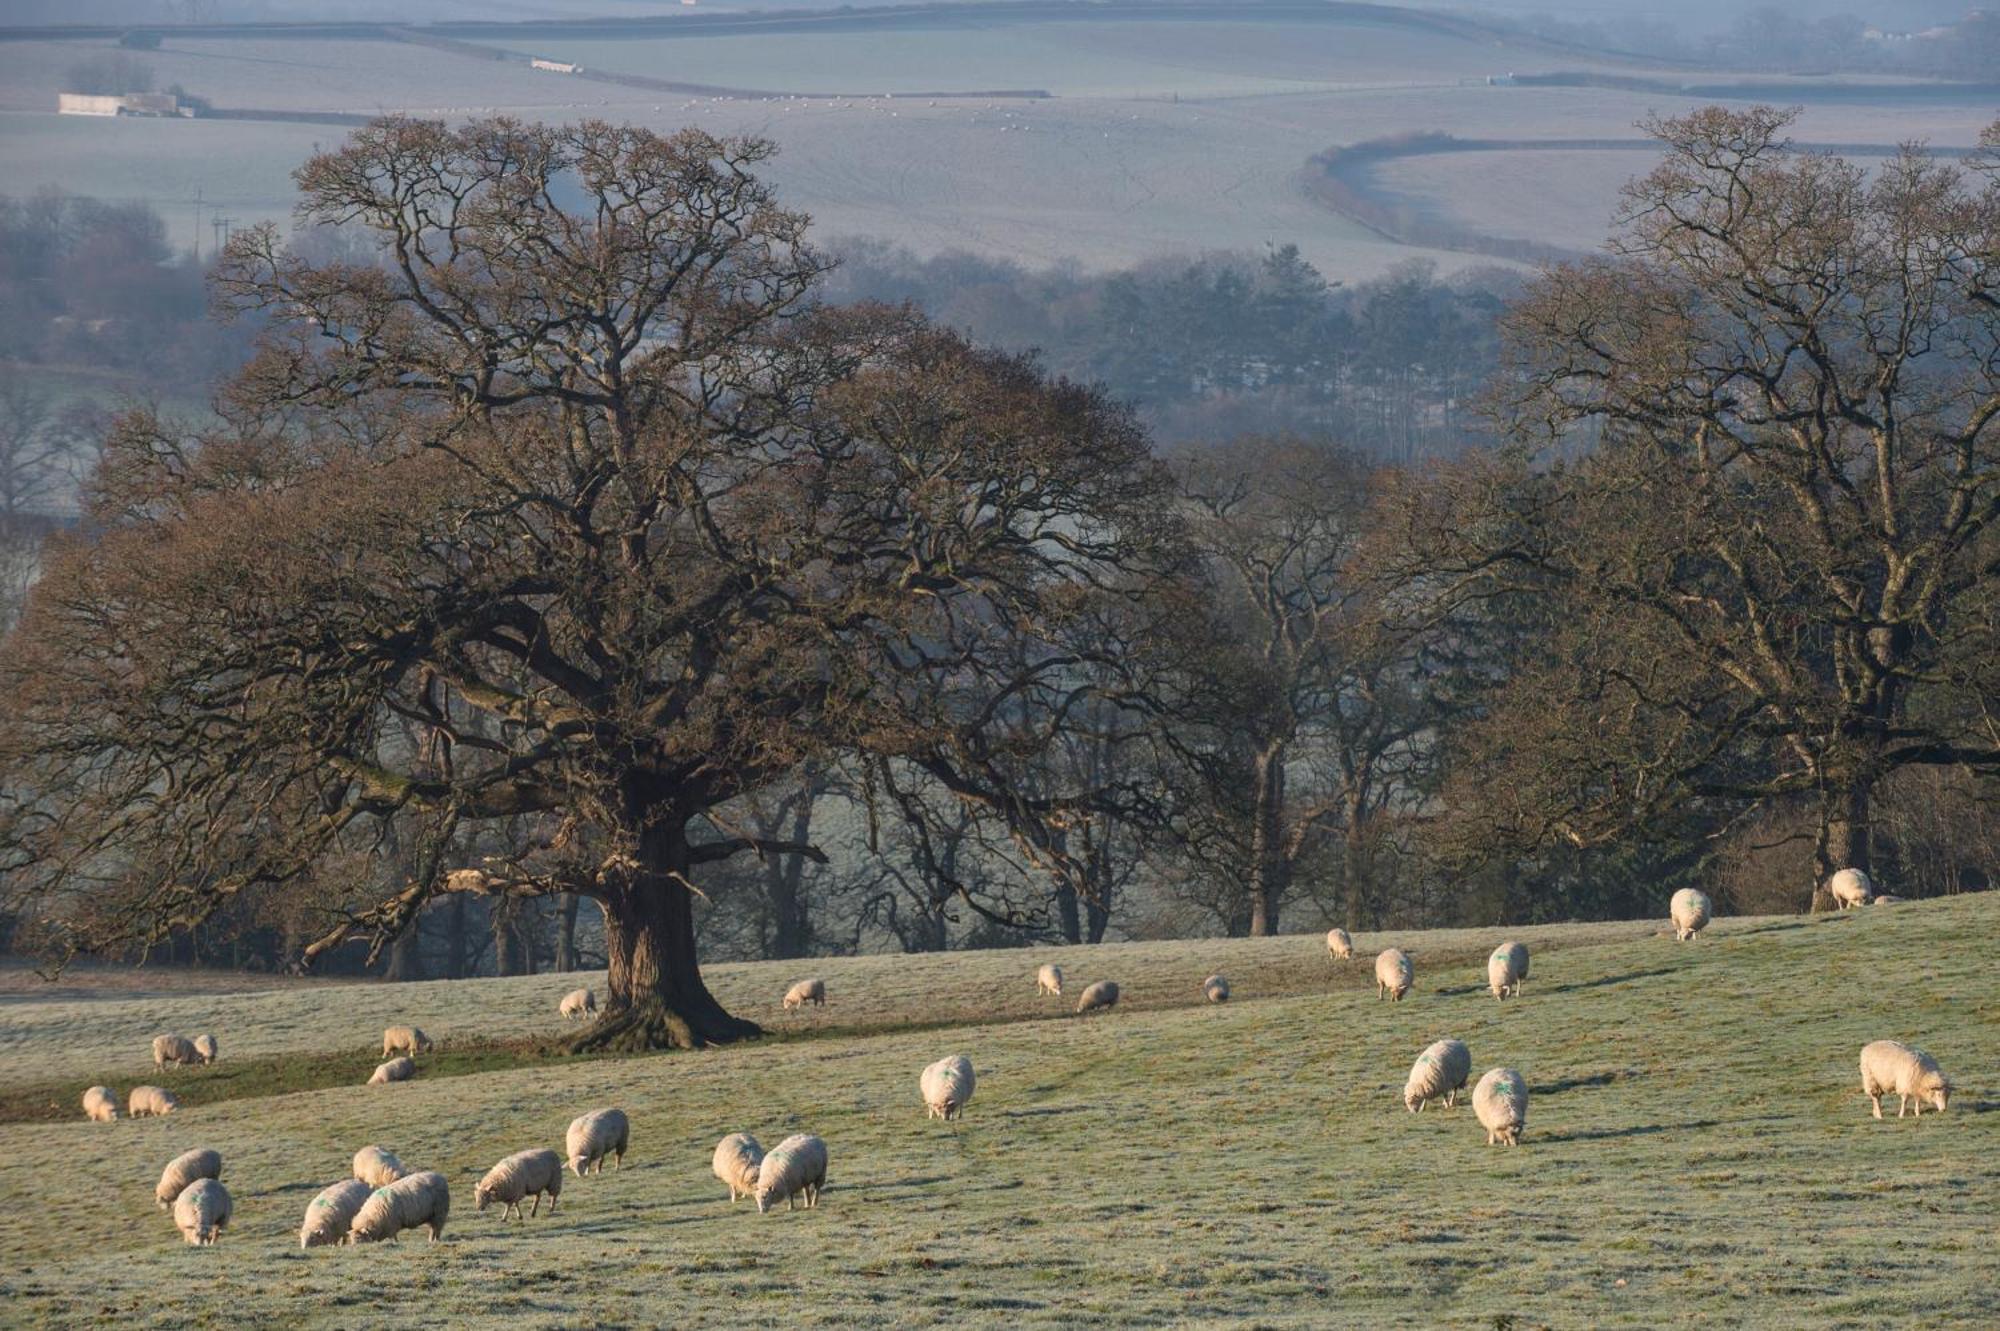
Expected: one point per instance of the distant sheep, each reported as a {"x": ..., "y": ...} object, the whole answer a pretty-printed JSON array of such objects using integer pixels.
[
  {"x": 100, "y": 1104},
  {"x": 405, "y": 1040},
  {"x": 396, "y": 1069},
  {"x": 595, "y": 1135},
  {"x": 1440, "y": 1072},
  {"x": 1851, "y": 887},
  {"x": 1098, "y": 997},
  {"x": 521, "y": 1175},
  {"x": 947, "y": 1087},
  {"x": 1501, "y": 1101},
  {"x": 1215, "y": 989},
  {"x": 184, "y": 1169},
  {"x": 152, "y": 1100},
  {"x": 1886, "y": 899},
  {"x": 376, "y": 1167},
  {"x": 1338, "y": 945},
  {"x": 1048, "y": 980},
  {"x": 176, "y": 1049},
  {"x": 1394, "y": 975},
  {"x": 797, "y": 1168},
  {"x": 205, "y": 1048},
  {"x": 1890, "y": 1067},
  {"x": 804, "y": 992},
  {"x": 737, "y": 1160},
  {"x": 578, "y": 1003},
  {"x": 1506, "y": 968},
  {"x": 1691, "y": 911},
  {"x": 202, "y": 1211},
  {"x": 415, "y": 1199},
  {"x": 329, "y": 1214}
]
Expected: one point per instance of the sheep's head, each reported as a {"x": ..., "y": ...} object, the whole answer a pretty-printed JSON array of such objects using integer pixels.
[
  {"x": 481, "y": 1195},
  {"x": 1935, "y": 1089},
  {"x": 576, "y": 1164},
  {"x": 1412, "y": 1100}
]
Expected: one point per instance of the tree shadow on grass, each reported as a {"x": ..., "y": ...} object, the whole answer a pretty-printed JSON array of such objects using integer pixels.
[
  {"x": 1645, "y": 1130},
  {"x": 1604, "y": 981},
  {"x": 1575, "y": 1083}
]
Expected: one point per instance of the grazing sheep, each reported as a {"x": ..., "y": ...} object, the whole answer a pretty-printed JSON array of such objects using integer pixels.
[
  {"x": 1215, "y": 989},
  {"x": 1098, "y": 997},
  {"x": 153, "y": 1100},
  {"x": 1691, "y": 911},
  {"x": 797, "y": 1168},
  {"x": 329, "y": 1214},
  {"x": 1890, "y": 1067},
  {"x": 804, "y": 992},
  {"x": 737, "y": 1159},
  {"x": 578, "y": 1003},
  {"x": 1048, "y": 980},
  {"x": 413, "y": 1200},
  {"x": 1851, "y": 887},
  {"x": 521, "y": 1175},
  {"x": 396, "y": 1069},
  {"x": 595, "y": 1135},
  {"x": 100, "y": 1104},
  {"x": 947, "y": 1087},
  {"x": 177, "y": 1049},
  {"x": 1394, "y": 975},
  {"x": 202, "y": 1211},
  {"x": 1439, "y": 1072},
  {"x": 1501, "y": 1101},
  {"x": 184, "y": 1169},
  {"x": 376, "y": 1167},
  {"x": 205, "y": 1048},
  {"x": 1339, "y": 946},
  {"x": 1886, "y": 899},
  {"x": 405, "y": 1040},
  {"x": 1506, "y": 968}
]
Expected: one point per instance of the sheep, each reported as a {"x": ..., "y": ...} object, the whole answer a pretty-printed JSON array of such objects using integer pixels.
[
  {"x": 153, "y": 1100},
  {"x": 595, "y": 1135},
  {"x": 1506, "y": 968},
  {"x": 405, "y": 1040},
  {"x": 1439, "y": 1072},
  {"x": 1339, "y": 946},
  {"x": 1886, "y": 899},
  {"x": 1501, "y": 1101},
  {"x": 329, "y": 1214},
  {"x": 202, "y": 1211},
  {"x": 205, "y": 1048},
  {"x": 578, "y": 1003},
  {"x": 1691, "y": 911},
  {"x": 947, "y": 1087},
  {"x": 520, "y": 1175},
  {"x": 1098, "y": 997},
  {"x": 413, "y": 1200},
  {"x": 1393, "y": 975},
  {"x": 1892, "y": 1067},
  {"x": 376, "y": 1167},
  {"x": 797, "y": 1168},
  {"x": 177, "y": 1049},
  {"x": 737, "y": 1159},
  {"x": 100, "y": 1104},
  {"x": 804, "y": 992},
  {"x": 1048, "y": 980},
  {"x": 396, "y": 1069},
  {"x": 184, "y": 1169},
  {"x": 1215, "y": 989},
  {"x": 1851, "y": 887}
]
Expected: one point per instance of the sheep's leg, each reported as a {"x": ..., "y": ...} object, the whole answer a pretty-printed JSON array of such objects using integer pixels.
[
  {"x": 1876, "y": 1100},
  {"x": 536, "y": 1209},
  {"x": 1902, "y": 1103}
]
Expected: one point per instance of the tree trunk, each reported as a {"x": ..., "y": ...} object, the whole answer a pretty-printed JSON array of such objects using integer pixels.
[
  {"x": 506, "y": 939},
  {"x": 406, "y": 956},
  {"x": 566, "y": 932},
  {"x": 1843, "y": 841},
  {"x": 1271, "y": 870},
  {"x": 454, "y": 938},
  {"x": 1097, "y": 903},
  {"x": 1067, "y": 918},
  {"x": 1354, "y": 864},
  {"x": 784, "y": 878}
]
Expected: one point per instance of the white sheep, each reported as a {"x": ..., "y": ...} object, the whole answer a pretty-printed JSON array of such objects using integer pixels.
[
  {"x": 329, "y": 1214},
  {"x": 1501, "y": 1101},
  {"x": 152, "y": 1100},
  {"x": 947, "y": 1087},
  {"x": 804, "y": 992},
  {"x": 376, "y": 1167},
  {"x": 1506, "y": 968},
  {"x": 1215, "y": 989},
  {"x": 1440, "y": 1072},
  {"x": 737, "y": 1160},
  {"x": 396, "y": 1069},
  {"x": 578, "y": 1003},
  {"x": 1339, "y": 946},
  {"x": 1691, "y": 911},
  {"x": 1098, "y": 997},
  {"x": 202, "y": 1211},
  {"x": 177, "y": 1049},
  {"x": 521, "y": 1175},
  {"x": 100, "y": 1104},
  {"x": 184, "y": 1169},
  {"x": 595, "y": 1135},
  {"x": 1048, "y": 980},
  {"x": 1851, "y": 887},
  {"x": 1886, "y": 899},
  {"x": 1890, "y": 1067},
  {"x": 205, "y": 1048},
  {"x": 413, "y": 1200},
  {"x": 797, "y": 1168},
  {"x": 1393, "y": 975},
  {"x": 405, "y": 1040}
]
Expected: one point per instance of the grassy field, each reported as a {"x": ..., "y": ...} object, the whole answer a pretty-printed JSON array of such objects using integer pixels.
[{"x": 1697, "y": 1150}]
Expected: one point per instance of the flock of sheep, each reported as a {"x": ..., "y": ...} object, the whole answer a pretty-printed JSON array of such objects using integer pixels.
[{"x": 383, "y": 1198}]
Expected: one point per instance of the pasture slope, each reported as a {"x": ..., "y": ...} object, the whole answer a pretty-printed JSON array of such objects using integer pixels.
[{"x": 1697, "y": 1152}]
